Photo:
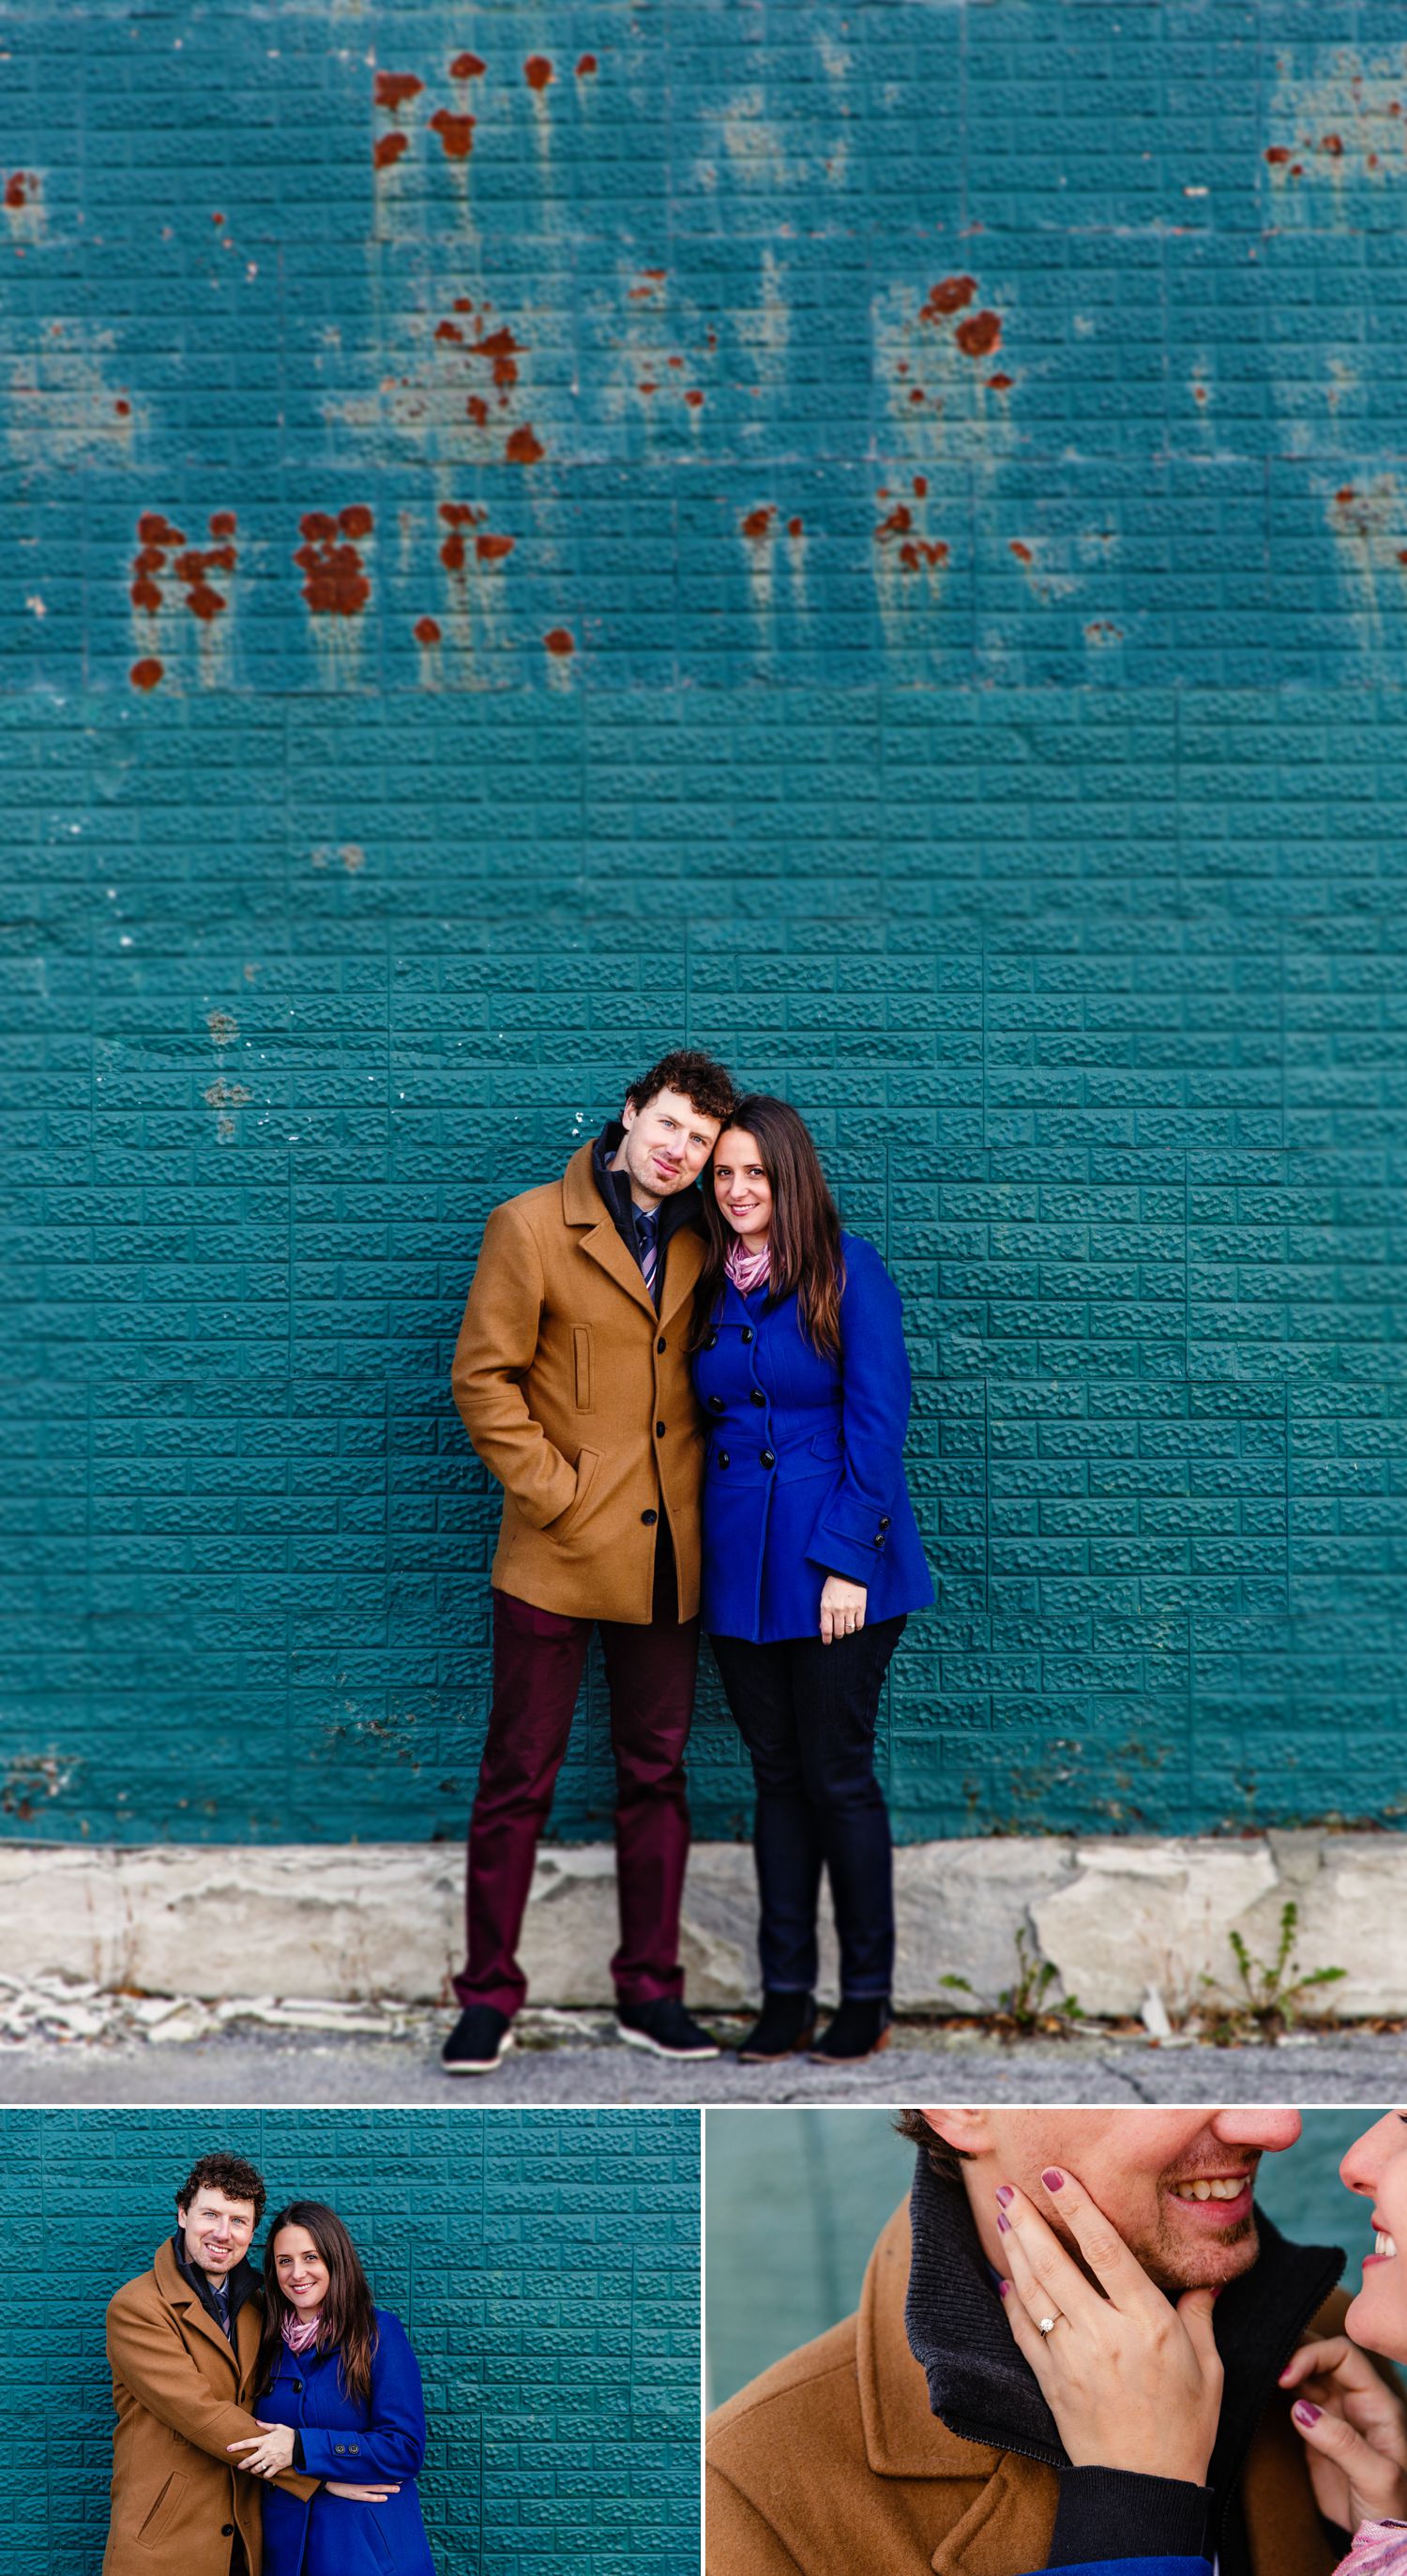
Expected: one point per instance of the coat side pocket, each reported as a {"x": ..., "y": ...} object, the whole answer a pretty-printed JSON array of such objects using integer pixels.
[
  {"x": 581, "y": 1351},
  {"x": 162, "y": 2511}
]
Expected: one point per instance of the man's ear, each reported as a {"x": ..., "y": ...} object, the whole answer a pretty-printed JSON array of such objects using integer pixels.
[
  {"x": 970, "y": 2131},
  {"x": 627, "y": 1115}
]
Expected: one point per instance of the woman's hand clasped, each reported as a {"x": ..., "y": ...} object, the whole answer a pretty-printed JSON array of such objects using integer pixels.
[
  {"x": 1133, "y": 2381},
  {"x": 842, "y": 1608},
  {"x": 270, "y": 2451},
  {"x": 1354, "y": 2427}
]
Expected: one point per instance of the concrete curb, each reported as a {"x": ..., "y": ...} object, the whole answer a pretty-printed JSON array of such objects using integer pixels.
[{"x": 347, "y": 1923}]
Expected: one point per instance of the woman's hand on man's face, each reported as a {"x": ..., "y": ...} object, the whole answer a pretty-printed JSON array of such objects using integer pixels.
[
  {"x": 1354, "y": 2427},
  {"x": 1133, "y": 2381},
  {"x": 842, "y": 1607}
]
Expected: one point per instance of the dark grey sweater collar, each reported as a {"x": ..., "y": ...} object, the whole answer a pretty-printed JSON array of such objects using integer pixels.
[
  {"x": 979, "y": 2386},
  {"x": 240, "y": 2284}
]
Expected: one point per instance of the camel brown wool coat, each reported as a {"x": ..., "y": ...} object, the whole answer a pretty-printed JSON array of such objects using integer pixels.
[
  {"x": 182, "y": 2391},
  {"x": 576, "y": 1395},
  {"x": 831, "y": 2462}
]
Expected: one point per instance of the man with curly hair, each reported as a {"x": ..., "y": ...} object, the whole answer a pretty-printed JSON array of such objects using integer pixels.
[
  {"x": 572, "y": 1376},
  {"x": 183, "y": 2341}
]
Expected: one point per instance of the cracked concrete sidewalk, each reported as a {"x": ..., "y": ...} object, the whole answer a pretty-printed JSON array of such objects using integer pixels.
[{"x": 63, "y": 2043}]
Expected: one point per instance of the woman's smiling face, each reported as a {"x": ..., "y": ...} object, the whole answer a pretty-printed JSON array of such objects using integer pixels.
[
  {"x": 1376, "y": 2167},
  {"x": 302, "y": 2273},
  {"x": 740, "y": 1182}
]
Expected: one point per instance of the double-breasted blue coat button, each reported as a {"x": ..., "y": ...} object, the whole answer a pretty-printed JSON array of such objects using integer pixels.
[
  {"x": 748, "y": 1334},
  {"x": 297, "y": 2387},
  {"x": 757, "y": 1396},
  {"x": 769, "y": 1457},
  {"x": 722, "y": 1457},
  {"x": 716, "y": 1404},
  {"x": 712, "y": 1342},
  {"x": 884, "y": 1524}
]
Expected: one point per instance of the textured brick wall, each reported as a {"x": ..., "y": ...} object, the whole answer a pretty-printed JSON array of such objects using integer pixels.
[
  {"x": 544, "y": 2264},
  {"x": 959, "y": 448}
]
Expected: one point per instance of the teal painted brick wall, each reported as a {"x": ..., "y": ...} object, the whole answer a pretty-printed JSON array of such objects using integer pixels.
[
  {"x": 977, "y": 714},
  {"x": 545, "y": 2265}
]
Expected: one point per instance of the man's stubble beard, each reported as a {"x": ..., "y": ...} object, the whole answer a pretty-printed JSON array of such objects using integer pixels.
[{"x": 1173, "y": 2266}]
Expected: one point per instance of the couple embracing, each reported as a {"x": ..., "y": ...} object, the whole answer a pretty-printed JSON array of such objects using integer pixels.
[
  {"x": 692, "y": 1386},
  {"x": 1082, "y": 2346},
  {"x": 267, "y": 2425}
]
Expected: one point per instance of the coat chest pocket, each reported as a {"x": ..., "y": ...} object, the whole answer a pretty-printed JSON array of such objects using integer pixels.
[{"x": 581, "y": 1355}]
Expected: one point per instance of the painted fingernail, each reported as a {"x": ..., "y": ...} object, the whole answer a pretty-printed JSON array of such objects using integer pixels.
[
  {"x": 1005, "y": 2194},
  {"x": 1304, "y": 2413},
  {"x": 1002, "y": 2288},
  {"x": 1003, "y": 2225},
  {"x": 1053, "y": 2181}
]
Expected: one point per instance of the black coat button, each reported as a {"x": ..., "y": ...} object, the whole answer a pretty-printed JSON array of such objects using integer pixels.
[
  {"x": 659, "y": 1431},
  {"x": 227, "y": 2531},
  {"x": 757, "y": 1396},
  {"x": 722, "y": 1457},
  {"x": 649, "y": 1519},
  {"x": 884, "y": 1524},
  {"x": 712, "y": 1343},
  {"x": 716, "y": 1404},
  {"x": 769, "y": 1457},
  {"x": 748, "y": 1334},
  {"x": 661, "y": 1344},
  {"x": 297, "y": 2387}
]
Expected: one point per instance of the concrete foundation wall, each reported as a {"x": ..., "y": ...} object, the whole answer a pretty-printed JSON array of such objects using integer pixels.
[{"x": 1115, "y": 1918}]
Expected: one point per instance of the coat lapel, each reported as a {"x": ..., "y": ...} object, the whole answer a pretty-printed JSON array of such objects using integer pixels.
[
  {"x": 1012, "y": 2516},
  {"x": 582, "y": 1205},
  {"x": 178, "y": 2294}
]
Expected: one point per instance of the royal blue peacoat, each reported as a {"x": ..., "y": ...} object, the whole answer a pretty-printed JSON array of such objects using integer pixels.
[
  {"x": 805, "y": 1469},
  {"x": 355, "y": 2440}
]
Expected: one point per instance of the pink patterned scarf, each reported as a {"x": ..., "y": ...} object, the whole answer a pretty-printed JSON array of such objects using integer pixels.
[
  {"x": 1379, "y": 2549},
  {"x": 747, "y": 1270},
  {"x": 300, "y": 2333}
]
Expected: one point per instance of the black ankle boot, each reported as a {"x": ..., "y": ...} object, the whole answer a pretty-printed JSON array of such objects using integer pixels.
[
  {"x": 786, "y": 2022},
  {"x": 860, "y": 2029}
]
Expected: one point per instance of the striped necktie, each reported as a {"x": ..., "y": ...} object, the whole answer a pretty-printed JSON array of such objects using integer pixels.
[{"x": 647, "y": 1243}]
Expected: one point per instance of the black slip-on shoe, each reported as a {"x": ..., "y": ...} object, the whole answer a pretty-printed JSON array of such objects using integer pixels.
[
  {"x": 786, "y": 2023},
  {"x": 860, "y": 2029},
  {"x": 480, "y": 2037},
  {"x": 666, "y": 2028}
]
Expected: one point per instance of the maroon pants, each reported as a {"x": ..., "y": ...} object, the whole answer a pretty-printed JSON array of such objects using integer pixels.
[{"x": 538, "y": 1656}]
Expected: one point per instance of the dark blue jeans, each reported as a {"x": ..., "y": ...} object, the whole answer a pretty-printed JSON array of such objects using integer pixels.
[{"x": 806, "y": 1713}]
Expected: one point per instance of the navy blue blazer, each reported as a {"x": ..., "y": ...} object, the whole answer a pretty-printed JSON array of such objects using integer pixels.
[
  {"x": 805, "y": 1469},
  {"x": 355, "y": 2440}
]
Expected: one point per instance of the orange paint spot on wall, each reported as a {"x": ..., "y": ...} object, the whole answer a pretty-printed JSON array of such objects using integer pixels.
[
  {"x": 1022, "y": 552},
  {"x": 694, "y": 398},
  {"x": 523, "y": 447},
  {"x": 796, "y": 528},
  {"x": 978, "y": 337},
  {"x": 477, "y": 410},
  {"x": 558, "y": 641},
  {"x": 388, "y": 150},
  {"x": 587, "y": 67},
  {"x": 758, "y": 523},
  {"x": 948, "y": 296},
  {"x": 146, "y": 674},
  {"x": 999, "y": 384},
  {"x": 466, "y": 67},
  {"x": 426, "y": 631},
  {"x": 538, "y": 72},
  {"x": 491, "y": 549},
  {"x": 1277, "y": 156},
  {"x": 397, "y": 89},
  {"x": 456, "y": 133}
]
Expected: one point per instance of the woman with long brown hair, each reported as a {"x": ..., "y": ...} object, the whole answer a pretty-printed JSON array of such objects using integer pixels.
[
  {"x": 341, "y": 2398},
  {"x": 812, "y": 1559}
]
